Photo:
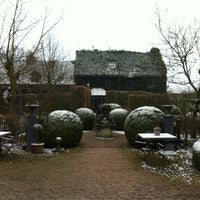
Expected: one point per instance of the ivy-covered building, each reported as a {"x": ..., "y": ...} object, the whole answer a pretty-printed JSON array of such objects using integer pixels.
[{"x": 121, "y": 70}]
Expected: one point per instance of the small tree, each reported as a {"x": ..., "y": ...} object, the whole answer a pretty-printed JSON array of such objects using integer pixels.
[
  {"x": 53, "y": 66},
  {"x": 15, "y": 31}
]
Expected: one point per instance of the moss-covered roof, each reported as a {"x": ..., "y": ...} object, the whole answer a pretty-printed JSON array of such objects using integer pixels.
[{"x": 130, "y": 64}]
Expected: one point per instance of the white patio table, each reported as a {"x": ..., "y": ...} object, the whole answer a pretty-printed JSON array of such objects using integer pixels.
[
  {"x": 152, "y": 136},
  {"x": 152, "y": 140},
  {"x": 3, "y": 133}
]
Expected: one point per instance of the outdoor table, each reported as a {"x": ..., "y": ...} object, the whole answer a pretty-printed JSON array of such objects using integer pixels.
[
  {"x": 151, "y": 139},
  {"x": 2, "y": 134},
  {"x": 152, "y": 136}
]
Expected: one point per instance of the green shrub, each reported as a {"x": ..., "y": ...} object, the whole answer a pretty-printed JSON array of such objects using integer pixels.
[
  {"x": 142, "y": 119},
  {"x": 87, "y": 117},
  {"x": 106, "y": 108},
  {"x": 196, "y": 154},
  {"x": 64, "y": 124},
  {"x": 118, "y": 117},
  {"x": 38, "y": 131},
  {"x": 175, "y": 110}
]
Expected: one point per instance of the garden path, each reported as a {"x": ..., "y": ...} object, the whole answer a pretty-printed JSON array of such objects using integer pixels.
[{"x": 97, "y": 169}]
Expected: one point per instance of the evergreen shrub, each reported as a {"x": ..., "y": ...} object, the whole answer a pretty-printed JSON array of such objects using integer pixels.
[
  {"x": 196, "y": 154},
  {"x": 87, "y": 117},
  {"x": 142, "y": 119},
  {"x": 118, "y": 117},
  {"x": 106, "y": 108},
  {"x": 64, "y": 124}
]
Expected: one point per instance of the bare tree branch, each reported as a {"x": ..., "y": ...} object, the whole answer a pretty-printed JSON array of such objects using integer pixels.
[
  {"x": 15, "y": 30},
  {"x": 181, "y": 43}
]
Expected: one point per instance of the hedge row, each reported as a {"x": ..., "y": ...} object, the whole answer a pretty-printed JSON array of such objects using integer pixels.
[
  {"x": 73, "y": 97},
  {"x": 132, "y": 100},
  {"x": 54, "y": 97}
]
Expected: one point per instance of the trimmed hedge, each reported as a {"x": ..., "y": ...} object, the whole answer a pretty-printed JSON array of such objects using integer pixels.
[
  {"x": 142, "y": 119},
  {"x": 139, "y": 99},
  {"x": 64, "y": 124},
  {"x": 87, "y": 117},
  {"x": 106, "y": 108},
  {"x": 118, "y": 117},
  {"x": 196, "y": 154}
]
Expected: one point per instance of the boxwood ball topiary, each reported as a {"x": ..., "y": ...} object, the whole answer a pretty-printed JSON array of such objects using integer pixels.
[
  {"x": 142, "y": 119},
  {"x": 64, "y": 124},
  {"x": 106, "y": 108},
  {"x": 87, "y": 117},
  {"x": 118, "y": 117},
  {"x": 196, "y": 155}
]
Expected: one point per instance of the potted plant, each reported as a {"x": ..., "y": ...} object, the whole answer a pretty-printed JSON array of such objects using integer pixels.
[
  {"x": 157, "y": 130},
  {"x": 38, "y": 146}
]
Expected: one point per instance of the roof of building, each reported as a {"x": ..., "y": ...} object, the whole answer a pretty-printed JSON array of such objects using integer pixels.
[
  {"x": 127, "y": 63},
  {"x": 63, "y": 74}
]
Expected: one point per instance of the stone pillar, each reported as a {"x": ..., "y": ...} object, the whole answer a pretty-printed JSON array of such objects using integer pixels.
[
  {"x": 168, "y": 120},
  {"x": 30, "y": 136}
]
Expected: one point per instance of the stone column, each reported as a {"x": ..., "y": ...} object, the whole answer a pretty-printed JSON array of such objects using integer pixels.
[
  {"x": 168, "y": 120},
  {"x": 30, "y": 136}
]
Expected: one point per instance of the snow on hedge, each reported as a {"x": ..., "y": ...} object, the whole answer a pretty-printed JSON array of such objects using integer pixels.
[
  {"x": 142, "y": 119},
  {"x": 37, "y": 126},
  {"x": 65, "y": 116},
  {"x": 119, "y": 111},
  {"x": 114, "y": 106},
  {"x": 196, "y": 146},
  {"x": 118, "y": 117},
  {"x": 64, "y": 124},
  {"x": 84, "y": 111},
  {"x": 144, "y": 111},
  {"x": 87, "y": 117},
  {"x": 190, "y": 114}
]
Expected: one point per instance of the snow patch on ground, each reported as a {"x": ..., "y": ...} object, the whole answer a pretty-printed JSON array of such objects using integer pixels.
[{"x": 182, "y": 170}]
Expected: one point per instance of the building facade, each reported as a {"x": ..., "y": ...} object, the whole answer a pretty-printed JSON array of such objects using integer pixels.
[{"x": 121, "y": 70}]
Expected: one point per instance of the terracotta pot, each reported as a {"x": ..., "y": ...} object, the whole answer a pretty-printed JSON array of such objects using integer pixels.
[{"x": 37, "y": 148}]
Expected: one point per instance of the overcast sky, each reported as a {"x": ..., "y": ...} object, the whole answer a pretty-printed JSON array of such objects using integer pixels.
[{"x": 114, "y": 24}]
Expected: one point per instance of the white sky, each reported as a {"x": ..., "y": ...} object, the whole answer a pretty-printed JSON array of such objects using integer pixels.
[{"x": 113, "y": 24}]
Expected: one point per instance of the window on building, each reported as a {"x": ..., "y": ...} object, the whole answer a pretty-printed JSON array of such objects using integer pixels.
[{"x": 111, "y": 65}]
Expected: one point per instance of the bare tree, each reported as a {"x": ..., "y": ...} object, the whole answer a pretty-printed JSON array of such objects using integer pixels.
[
  {"x": 15, "y": 31},
  {"x": 52, "y": 69},
  {"x": 181, "y": 48},
  {"x": 182, "y": 51},
  {"x": 54, "y": 65}
]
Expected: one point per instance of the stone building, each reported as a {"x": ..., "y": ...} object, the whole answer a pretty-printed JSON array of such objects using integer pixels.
[{"x": 121, "y": 70}]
